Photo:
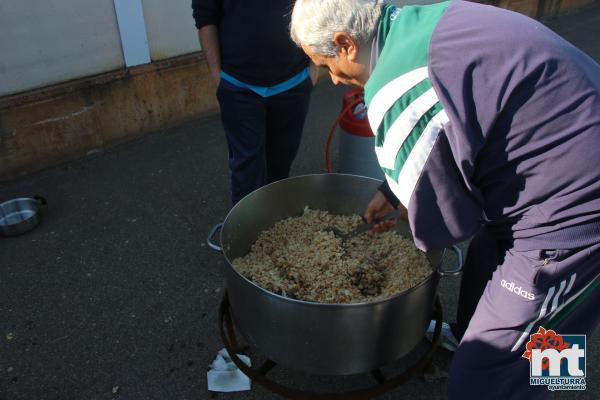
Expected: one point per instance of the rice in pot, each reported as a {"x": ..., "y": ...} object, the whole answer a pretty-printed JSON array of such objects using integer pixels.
[{"x": 299, "y": 259}]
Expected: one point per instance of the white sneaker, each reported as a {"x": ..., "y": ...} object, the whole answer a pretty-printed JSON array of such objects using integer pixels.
[{"x": 447, "y": 339}]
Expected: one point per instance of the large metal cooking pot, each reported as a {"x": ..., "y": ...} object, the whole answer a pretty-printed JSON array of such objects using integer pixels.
[{"x": 332, "y": 339}]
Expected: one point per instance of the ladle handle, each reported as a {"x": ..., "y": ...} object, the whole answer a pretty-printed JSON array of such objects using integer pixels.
[
  {"x": 212, "y": 233},
  {"x": 366, "y": 227},
  {"x": 459, "y": 261}
]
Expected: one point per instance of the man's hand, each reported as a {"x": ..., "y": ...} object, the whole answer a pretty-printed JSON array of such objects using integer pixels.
[{"x": 379, "y": 207}]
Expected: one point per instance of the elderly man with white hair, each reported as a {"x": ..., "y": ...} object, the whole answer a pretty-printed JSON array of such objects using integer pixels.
[{"x": 486, "y": 123}]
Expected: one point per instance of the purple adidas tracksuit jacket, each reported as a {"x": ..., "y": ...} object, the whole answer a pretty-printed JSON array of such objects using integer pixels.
[{"x": 492, "y": 128}]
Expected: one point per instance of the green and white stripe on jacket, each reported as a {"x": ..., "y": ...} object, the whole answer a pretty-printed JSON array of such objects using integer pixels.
[{"x": 403, "y": 109}]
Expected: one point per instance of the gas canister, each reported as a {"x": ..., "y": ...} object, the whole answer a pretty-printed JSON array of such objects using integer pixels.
[{"x": 356, "y": 142}]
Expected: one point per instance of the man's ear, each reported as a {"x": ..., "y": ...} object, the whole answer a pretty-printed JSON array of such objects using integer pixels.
[{"x": 346, "y": 45}]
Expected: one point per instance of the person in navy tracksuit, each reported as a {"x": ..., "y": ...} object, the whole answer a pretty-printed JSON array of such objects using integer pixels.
[{"x": 263, "y": 86}]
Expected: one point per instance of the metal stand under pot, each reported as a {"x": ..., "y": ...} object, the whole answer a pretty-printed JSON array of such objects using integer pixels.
[{"x": 383, "y": 385}]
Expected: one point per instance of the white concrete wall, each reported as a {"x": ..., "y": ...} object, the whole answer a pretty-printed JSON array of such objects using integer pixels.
[
  {"x": 170, "y": 28},
  {"x": 45, "y": 42},
  {"x": 52, "y": 41}
]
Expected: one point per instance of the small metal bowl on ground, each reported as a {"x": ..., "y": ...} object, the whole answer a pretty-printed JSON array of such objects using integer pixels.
[{"x": 21, "y": 215}]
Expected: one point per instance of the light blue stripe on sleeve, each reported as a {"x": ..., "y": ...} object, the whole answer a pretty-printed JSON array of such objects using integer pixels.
[{"x": 271, "y": 90}]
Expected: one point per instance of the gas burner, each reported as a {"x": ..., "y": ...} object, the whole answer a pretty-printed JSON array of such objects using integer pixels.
[{"x": 383, "y": 385}]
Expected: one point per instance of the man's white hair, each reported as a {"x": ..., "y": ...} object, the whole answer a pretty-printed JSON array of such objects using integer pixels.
[{"x": 314, "y": 22}]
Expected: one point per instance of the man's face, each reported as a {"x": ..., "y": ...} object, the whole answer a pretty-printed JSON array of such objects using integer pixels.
[{"x": 345, "y": 68}]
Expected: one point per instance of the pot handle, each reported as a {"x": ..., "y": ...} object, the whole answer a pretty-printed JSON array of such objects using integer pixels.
[
  {"x": 212, "y": 233},
  {"x": 41, "y": 200},
  {"x": 460, "y": 260}
]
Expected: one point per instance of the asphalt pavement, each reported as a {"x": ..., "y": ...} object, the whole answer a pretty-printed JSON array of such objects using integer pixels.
[{"x": 115, "y": 295}]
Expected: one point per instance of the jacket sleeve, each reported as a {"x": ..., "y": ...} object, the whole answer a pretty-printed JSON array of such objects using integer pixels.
[
  {"x": 388, "y": 194},
  {"x": 441, "y": 210},
  {"x": 206, "y": 12}
]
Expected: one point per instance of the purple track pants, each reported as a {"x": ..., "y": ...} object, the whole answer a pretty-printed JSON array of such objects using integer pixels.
[{"x": 505, "y": 296}]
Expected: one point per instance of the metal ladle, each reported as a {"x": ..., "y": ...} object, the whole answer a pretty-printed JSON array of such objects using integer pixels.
[{"x": 362, "y": 228}]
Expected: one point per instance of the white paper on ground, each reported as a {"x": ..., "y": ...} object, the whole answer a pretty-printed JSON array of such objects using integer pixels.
[{"x": 224, "y": 375}]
